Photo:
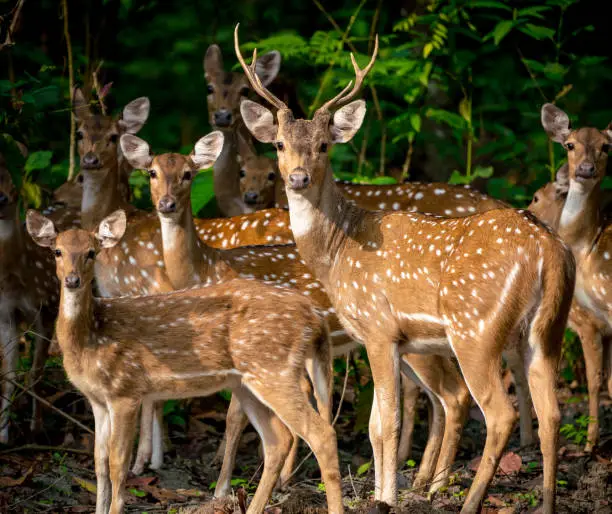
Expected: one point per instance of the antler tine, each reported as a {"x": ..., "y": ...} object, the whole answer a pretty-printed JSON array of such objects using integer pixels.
[
  {"x": 254, "y": 79},
  {"x": 343, "y": 98}
]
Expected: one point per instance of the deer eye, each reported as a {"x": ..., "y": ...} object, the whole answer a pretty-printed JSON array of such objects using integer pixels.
[
  {"x": 280, "y": 146},
  {"x": 91, "y": 254},
  {"x": 210, "y": 89},
  {"x": 57, "y": 252},
  {"x": 79, "y": 135},
  {"x": 244, "y": 91},
  {"x": 536, "y": 199},
  {"x": 187, "y": 176},
  {"x": 323, "y": 148},
  {"x": 242, "y": 173},
  {"x": 605, "y": 148},
  {"x": 152, "y": 173},
  {"x": 271, "y": 176},
  {"x": 113, "y": 138},
  {"x": 569, "y": 146}
]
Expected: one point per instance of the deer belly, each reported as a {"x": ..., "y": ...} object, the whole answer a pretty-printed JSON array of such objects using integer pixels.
[{"x": 189, "y": 384}]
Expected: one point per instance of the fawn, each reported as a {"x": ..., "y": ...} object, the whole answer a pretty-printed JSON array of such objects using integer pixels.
[
  {"x": 573, "y": 206},
  {"x": 189, "y": 262},
  {"x": 466, "y": 286},
  {"x": 229, "y": 336},
  {"x": 29, "y": 293}
]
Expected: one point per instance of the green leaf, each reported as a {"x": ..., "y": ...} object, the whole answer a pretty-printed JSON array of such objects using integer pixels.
[
  {"x": 202, "y": 191},
  {"x": 449, "y": 118},
  {"x": 483, "y": 172},
  {"x": 427, "y": 49},
  {"x": 177, "y": 420},
  {"x": 38, "y": 160},
  {"x": 137, "y": 492},
  {"x": 500, "y": 31},
  {"x": 415, "y": 121},
  {"x": 321, "y": 487},
  {"x": 490, "y": 4},
  {"x": 458, "y": 179},
  {"x": 364, "y": 468},
  {"x": 410, "y": 463},
  {"x": 465, "y": 109},
  {"x": 533, "y": 11},
  {"x": 381, "y": 181},
  {"x": 537, "y": 32}
]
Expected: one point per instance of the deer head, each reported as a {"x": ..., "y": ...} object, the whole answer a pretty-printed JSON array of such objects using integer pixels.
[
  {"x": 98, "y": 135},
  {"x": 8, "y": 193},
  {"x": 227, "y": 89},
  {"x": 302, "y": 145},
  {"x": 258, "y": 176},
  {"x": 587, "y": 148},
  {"x": 172, "y": 174},
  {"x": 75, "y": 250}
]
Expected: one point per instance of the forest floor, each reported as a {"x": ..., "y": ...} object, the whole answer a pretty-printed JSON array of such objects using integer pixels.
[{"x": 57, "y": 475}]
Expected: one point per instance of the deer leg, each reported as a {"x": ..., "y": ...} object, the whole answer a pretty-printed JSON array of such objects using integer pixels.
[
  {"x": 592, "y": 348},
  {"x": 123, "y": 415},
  {"x": 482, "y": 373},
  {"x": 276, "y": 438},
  {"x": 301, "y": 418},
  {"x": 145, "y": 442},
  {"x": 101, "y": 453},
  {"x": 410, "y": 394},
  {"x": 10, "y": 360},
  {"x": 157, "y": 454},
  {"x": 41, "y": 352},
  {"x": 516, "y": 364},
  {"x": 384, "y": 362},
  {"x": 235, "y": 423}
]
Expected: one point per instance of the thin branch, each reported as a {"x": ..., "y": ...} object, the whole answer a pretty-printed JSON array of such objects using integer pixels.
[
  {"x": 51, "y": 406},
  {"x": 44, "y": 448},
  {"x": 8, "y": 40},
  {"x": 71, "y": 168}
]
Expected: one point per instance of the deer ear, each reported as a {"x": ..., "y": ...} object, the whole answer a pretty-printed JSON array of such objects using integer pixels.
[
  {"x": 556, "y": 123},
  {"x": 259, "y": 121},
  {"x": 608, "y": 132},
  {"x": 207, "y": 150},
  {"x": 111, "y": 229},
  {"x": 268, "y": 66},
  {"x": 40, "y": 228},
  {"x": 135, "y": 115},
  {"x": 347, "y": 121},
  {"x": 136, "y": 151},
  {"x": 213, "y": 62},
  {"x": 562, "y": 176},
  {"x": 80, "y": 107}
]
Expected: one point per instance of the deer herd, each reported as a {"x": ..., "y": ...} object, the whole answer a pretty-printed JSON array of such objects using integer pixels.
[{"x": 438, "y": 282}]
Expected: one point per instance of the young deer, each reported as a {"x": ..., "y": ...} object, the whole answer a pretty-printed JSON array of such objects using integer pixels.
[
  {"x": 188, "y": 262},
  {"x": 575, "y": 210},
  {"x": 225, "y": 91},
  {"x": 29, "y": 293},
  {"x": 468, "y": 286},
  {"x": 231, "y": 336}
]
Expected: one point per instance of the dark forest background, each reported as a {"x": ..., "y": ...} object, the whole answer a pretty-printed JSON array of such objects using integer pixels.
[{"x": 454, "y": 96}]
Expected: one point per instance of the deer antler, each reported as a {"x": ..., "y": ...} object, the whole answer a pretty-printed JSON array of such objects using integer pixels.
[
  {"x": 342, "y": 97},
  {"x": 254, "y": 79}
]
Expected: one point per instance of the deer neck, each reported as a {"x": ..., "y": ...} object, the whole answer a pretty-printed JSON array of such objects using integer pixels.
[
  {"x": 187, "y": 260},
  {"x": 74, "y": 322},
  {"x": 580, "y": 220},
  {"x": 101, "y": 195},
  {"x": 322, "y": 222},
  {"x": 11, "y": 245},
  {"x": 226, "y": 173}
]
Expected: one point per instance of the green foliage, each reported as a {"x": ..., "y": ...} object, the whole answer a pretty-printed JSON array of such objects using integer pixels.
[
  {"x": 577, "y": 432},
  {"x": 364, "y": 468}
]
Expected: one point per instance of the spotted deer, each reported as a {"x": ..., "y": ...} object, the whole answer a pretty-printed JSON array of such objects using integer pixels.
[
  {"x": 232, "y": 336},
  {"x": 189, "y": 262},
  {"x": 225, "y": 91},
  {"x": 29, "y": 295},
  {"x": 573, "y": 205},
  {"x": 467, "y": 286}
]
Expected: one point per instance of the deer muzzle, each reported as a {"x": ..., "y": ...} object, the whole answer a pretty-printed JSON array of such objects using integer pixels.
[
  {"x": 72, "y": 281},
  {"x": 166, "y": 205},
  {"x": 585, "y": 170},
  {"x": 299, "y": 179},
  {"x": 90, "y": 161}
]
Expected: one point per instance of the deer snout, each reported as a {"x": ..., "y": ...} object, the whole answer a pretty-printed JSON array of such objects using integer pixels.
[
  {"x": 251, "y": 197},
  {"x": 223, "y": 118},
  {"x": 299, "y": 179},
  {"x": 72, "y": 281},
  {"x": 166, "y": 205},
  {"x": 90, "y": 161},
  {"x": 585, "y": 170},
  {"x": 4, "y": 200}
]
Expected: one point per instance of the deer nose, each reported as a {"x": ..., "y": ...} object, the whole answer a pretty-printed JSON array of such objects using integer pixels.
[
  {"x": 72, "y": 281},
  {"x": 223, "y": 118},
  {"x": 166, "y": 205},
  {"x": 251, "y": 197},
  {"x": 299, "y": 179},
  {"x": 4, "y": 200},
  {"x": 90, "y": 160},
  {"x": 585, "y": 170}
]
